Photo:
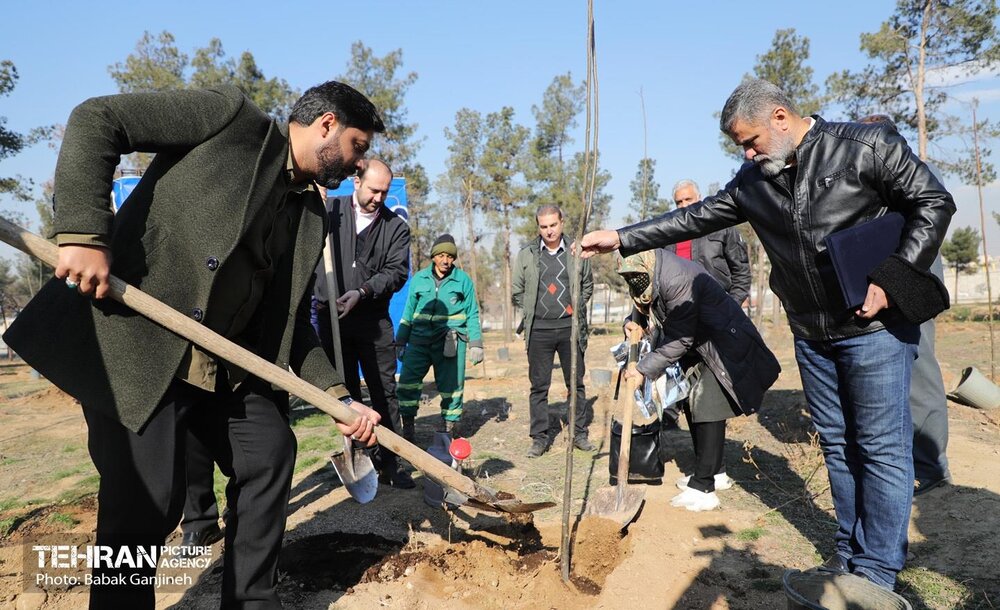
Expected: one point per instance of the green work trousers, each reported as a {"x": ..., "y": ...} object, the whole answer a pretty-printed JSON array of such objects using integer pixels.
[{"x": 449, "y": 377}]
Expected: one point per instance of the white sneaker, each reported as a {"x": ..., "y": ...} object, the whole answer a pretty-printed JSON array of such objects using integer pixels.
[
  {"x": 722, "y": 482},
  {"x": 696, "y": 501}
]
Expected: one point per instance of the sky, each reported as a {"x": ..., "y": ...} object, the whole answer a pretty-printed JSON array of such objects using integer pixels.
[{"x": 685, "y": 59}]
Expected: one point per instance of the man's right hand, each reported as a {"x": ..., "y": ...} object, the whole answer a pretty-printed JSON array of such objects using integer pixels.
[
  {"x": 597, "y": 242},
  {"x": 362, "y": 430},
  {"x": 89, "y": 267}
]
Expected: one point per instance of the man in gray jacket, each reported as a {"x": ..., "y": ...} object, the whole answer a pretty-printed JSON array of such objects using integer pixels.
[
  {"x": 542, "y": 292},
  {"x": 723, "y": 253},
  {"x": 928, "y": 403}
]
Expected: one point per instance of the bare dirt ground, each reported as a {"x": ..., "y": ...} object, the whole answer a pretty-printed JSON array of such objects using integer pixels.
[{"x": 399, "y": 552}]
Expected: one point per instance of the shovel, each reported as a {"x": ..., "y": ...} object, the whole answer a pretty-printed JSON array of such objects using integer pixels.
[
  {"x": 356, "y": 472},
  {"x": 622, "y": 503},
  {"x": 353, "y": 466},
  {"x": 183, "y": 326}
]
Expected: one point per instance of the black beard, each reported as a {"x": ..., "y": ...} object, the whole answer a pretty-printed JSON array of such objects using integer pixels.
[{"x": 332, "y": 169}]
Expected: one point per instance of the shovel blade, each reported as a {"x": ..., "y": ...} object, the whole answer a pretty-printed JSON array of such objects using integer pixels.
[
  {"x": 606, "y": 504},
  {"x": 356, "y": 472},
  {"x": 485, "y": 498},
  {"x": 509, "y": 506}
]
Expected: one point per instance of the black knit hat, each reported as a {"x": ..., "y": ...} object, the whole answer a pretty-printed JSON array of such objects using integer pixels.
[{"x": 444, "y": 243}]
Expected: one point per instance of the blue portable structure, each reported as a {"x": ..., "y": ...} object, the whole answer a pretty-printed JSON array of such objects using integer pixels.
[{"x": 121, "y": 188}]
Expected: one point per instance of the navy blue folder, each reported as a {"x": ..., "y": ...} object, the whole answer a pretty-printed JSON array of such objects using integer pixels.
[{"x": 857, "y": 250}]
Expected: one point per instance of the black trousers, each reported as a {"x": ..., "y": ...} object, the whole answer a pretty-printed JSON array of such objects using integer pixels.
[
  {"x": 200, "y": 508},
  {"x": 543, "y": 345},
  {"x": 709, "y": 439},
  {"x": 143, "y": 485},
  {"x": 368, "y": 342}
]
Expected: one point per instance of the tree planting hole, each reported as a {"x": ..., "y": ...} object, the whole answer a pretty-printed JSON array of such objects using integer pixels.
[{"x": 334, "y": 561}]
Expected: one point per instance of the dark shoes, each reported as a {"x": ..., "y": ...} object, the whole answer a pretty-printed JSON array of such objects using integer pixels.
[
  {"x": 922, "y": 486},
  {"x": 451, "y": 427},
  {"x": 203, "y": 537},
  {"x": 408, "y": 429},
  {"x": 399, "y": 479},
  {"x": 834, "y": 565},
  {"x": 538, "y": 447},
  {"x": 583, "y": 444}
]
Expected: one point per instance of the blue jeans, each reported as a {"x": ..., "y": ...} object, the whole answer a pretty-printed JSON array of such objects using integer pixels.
[{"x": 858, "y": 395}]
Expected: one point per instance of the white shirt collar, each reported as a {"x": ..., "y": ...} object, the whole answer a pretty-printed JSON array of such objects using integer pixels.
[
  {"x": 812, "y": 122},
  {"x": 562, "y": 246}
]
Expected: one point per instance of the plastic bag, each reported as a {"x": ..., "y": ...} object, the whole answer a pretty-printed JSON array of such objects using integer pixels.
[{"x": 671, "y": 387}]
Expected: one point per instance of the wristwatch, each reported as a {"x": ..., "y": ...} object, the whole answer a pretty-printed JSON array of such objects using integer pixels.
[{"x": 346, "y": 401}]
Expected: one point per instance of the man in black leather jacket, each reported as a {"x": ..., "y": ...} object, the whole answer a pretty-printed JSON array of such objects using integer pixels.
[{"x": 809, "y": 178}]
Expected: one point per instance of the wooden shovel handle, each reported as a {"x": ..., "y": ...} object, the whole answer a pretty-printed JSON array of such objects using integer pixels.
[
  {"x": 201, "y": 336},
  {"x": 625, "y": 452}
]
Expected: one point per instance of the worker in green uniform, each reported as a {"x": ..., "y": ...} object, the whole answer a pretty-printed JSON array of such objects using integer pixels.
[{"x": 440, "y": 317}]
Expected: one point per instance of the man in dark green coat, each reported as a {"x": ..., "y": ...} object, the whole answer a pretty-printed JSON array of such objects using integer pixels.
[
  {"x": 226, "y": 226},
  {"x": 541, "y": 290}
]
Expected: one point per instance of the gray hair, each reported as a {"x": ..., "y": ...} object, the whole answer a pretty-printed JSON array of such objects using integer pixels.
[
  {"x": 683, "y": 183},
  {"x": 751, "y": 102},
  {"x": 547, "y": 209}
]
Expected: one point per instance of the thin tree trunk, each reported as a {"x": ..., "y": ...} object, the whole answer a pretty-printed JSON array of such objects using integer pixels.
[
  {"x": 982, "y": 229},
  {"x": 644, "y": 163},
  {"x": 918, "y": 89},
  {"x": 955, "y": 295},
  {"x": 607, "y": 303},
  {"x": 760, "y": 275},
  {"x": 471, "y": 232},
  {"x": 507, "y": 285},
  {"x": 775, "y": 309}
]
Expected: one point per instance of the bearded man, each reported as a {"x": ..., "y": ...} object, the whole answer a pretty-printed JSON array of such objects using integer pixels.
[
  {"x": 805, "y": 179},
  {"x": 227, "y": 227}
]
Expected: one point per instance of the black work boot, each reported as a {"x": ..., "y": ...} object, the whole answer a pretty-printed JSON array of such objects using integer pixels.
[
  {"x": 397, "y": 478},
  {"x": 538, "y": 447},
  {"x": 408, "y": 431},
  {"x": 583, "y": 443},
  {"x": 451, "y": 427}
]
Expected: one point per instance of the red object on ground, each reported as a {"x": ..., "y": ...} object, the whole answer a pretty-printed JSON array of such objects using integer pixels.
[{"x": 460, "y": 449}]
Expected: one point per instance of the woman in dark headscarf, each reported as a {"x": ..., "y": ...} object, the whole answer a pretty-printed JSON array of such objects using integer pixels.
[{"x": 692, "y": 320}]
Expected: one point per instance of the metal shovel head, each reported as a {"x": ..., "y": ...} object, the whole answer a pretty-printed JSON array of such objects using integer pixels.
[
  {"x": 486, "y": 499},
  {"x": 606, "y": 504},
  {"x": 503, "y": 502},
  {"x": 356, "y": 472},
  {"x": 514, "y": 506}
]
